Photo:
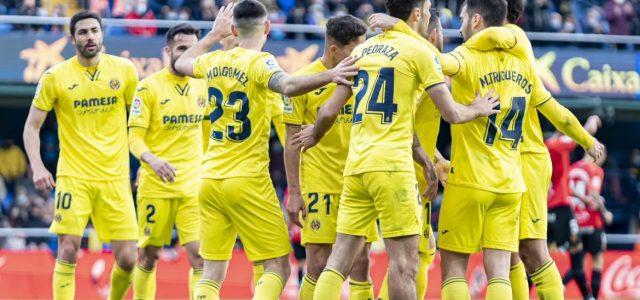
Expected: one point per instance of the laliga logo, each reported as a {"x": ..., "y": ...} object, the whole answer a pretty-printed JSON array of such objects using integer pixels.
[{"x": 622, "y": 279}]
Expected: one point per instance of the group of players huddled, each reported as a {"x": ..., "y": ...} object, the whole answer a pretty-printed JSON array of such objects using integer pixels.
[{"x": 361, "y": 128}]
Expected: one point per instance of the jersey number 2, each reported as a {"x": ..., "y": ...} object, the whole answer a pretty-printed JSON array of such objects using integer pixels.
[
  {"x": 383, "y": 86},
  {"x": 511, "y": 125},
  {"x": 241, "y": 116}
]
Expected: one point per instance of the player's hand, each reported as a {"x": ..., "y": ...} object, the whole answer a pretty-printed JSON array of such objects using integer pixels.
[
  {"x": 304, "y": 139},
  {"x": 486, "y": 105},
  {"x": 608, "y": 217},
  {"x": 432, "y": 181},
  {"x": 43, "y": 179},
  {"x": 596, "y": 150},
  {"x": 295, "y": 207},
  {"x": 163, "y": 169},
  {"x": 442, "y": 170},
  {"x": 344, "y": 71},
  {"x": 382, "y": 21},
  {"x": 224, "y": 19}
]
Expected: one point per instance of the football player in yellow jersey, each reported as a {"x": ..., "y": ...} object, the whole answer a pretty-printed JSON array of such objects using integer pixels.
[
  {"x": 427, "y": 128},
  {"x": 315, "y": 176},
  {"x": 89, "y": 93},
  {"x": 237, "y": 195},
  {"x": 536, "y": 168},
  {"x": 165, "y": 125},
  {"x": 379, "y": 174}
]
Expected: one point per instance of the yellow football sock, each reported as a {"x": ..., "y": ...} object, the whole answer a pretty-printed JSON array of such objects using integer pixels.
[
  {"x": 258, "y": 270},
  {"x": 360, "y": 290},
  {"x": 383, "y": 293},
  {"x": 499, "y": 289},
  {"x": 519, "y": 283},
  {"x": 144, "y": 283},
  {"x": 194, "y": 276},
  {"x": 329, "y": 285},
  {"x": 422, "y": 278},
  {"x": 455, "y": 288},
  {"x": 64, "y": 281},
  {"x": 120, "y": 283},
  {"x": 206, "y": 290},
  {"x": 548, "y": 281},
  {"x": 307, "y": 288},
  {"x": 269, "y": 287}
]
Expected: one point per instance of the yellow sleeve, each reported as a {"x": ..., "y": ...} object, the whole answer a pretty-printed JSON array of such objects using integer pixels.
[
  {"x": 45, "y": 96},
  {"x": 277, "y": 116},
  {"x": 566, "y": 122},
  {"x": 493, "y": 38},
  {"x": 131, "y": 84},
  {"x": 263, "y": 67},
  {"x": 137, "y": 145},
  {"x": 453, "y": 63},
  {"x": 142, "y": 107},
  {"x": 201, "y": 64},
  {"x": 429, "y": 69},
  {"x": 293, "y": 109},
  {"x": 539, "y": 94}
]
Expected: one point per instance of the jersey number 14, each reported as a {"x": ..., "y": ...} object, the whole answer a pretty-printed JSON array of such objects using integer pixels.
[{"x": 511, "y": 125}]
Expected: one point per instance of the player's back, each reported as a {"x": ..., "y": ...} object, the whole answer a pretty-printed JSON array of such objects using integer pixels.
[
  {"x": 90, "y": 105},
  {"x": 485, "y": 152},
  {"x": 560, "y": 147},
  {"x": 394, "y": 72},
  {"x": 585, "y": 178},
  {"x": 240, "y": 125}
]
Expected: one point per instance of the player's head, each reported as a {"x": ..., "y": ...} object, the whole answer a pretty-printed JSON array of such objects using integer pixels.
[
  {"x": 180, "y": 38},
  {"x": 250, "y": 19},
  {"x": 514, "y": 10},
  {"x": 477, "y": 15},
  {"x": 86, "y": 33},
  {"x": 343, "y": 34},
  {"x": 434, "y": 33},
  {"x": 414, "y": 12}
]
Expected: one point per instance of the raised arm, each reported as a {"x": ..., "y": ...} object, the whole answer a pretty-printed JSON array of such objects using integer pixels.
[
  {"x": 42, "y": 178},
  {"x": 455, "y": 113},
  {"x": 296, "y": 85},
  {"x": 327, "y": 115},
  {"x": 221, "y": 29}
]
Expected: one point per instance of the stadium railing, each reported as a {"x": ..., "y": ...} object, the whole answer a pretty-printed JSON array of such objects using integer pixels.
[{"x": 303, "y": 28}]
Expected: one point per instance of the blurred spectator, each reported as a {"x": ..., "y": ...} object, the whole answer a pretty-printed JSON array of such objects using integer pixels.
[
  {"x": 13, "y": 162},
  {"x": 141, "y": 11},
  {"x": 208, "y": 9},
  {"x": 595, "y": 22},
  {"x": 539, "y": 14},
  {"x": 621, "y": 16}
]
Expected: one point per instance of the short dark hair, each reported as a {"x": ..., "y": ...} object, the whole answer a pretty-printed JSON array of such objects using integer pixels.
[
  {"x": 246, "y": 13},
  {"x": 401, "y": 9},
  {"x": 492, "y": 11},
  {"x": 514, "y": 10},
  {"x": 434, "y": 21},
  {"x": 345, "y": 29},
  {"x": 182, "y": 28},
  {"x": 82, "y": 15}
]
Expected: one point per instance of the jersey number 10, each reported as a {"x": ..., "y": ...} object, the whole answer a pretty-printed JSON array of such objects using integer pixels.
[
  {"x": 384, "y": 86},
  {"x": 511, "y": 125}
]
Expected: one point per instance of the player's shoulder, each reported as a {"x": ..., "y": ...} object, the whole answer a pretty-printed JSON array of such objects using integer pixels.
[{"x": 117, "y": 61}]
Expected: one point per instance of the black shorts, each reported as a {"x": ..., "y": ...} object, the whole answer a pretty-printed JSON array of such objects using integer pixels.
[
  {"x": 562, "y": 225},
  {"x": 593, "y": 241}
]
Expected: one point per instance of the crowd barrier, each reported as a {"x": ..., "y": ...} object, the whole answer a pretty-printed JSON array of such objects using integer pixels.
[{"x": 27, "y": 275}]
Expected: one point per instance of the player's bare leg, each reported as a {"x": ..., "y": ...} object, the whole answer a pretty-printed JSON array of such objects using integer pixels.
[
  {"x": 122, "y": 274},
  {"x": 496, "y": 266},
  {"x": 64, "y": 273},
  {"x": 542, "y": 269},
  {"x": 272, "y": 282},
  {"x": 360, "y": 286},
  {"x": 403, "y": 266},
  {"x": 340, "y": 262},
  {"x": 317, "y": 256},
  {"x": 453, "y": 270}
]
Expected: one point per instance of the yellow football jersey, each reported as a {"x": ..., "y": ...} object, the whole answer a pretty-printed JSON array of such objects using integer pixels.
[
  {"x": 322, "y": 166},
  {"x": 394, "y": 73},
  {"x": 172, "y": 109},
  {"x": 91, "y": 108},
  {"x": 512, "y": 37},
  {"x": 486, "y": 151},
  {"x": 240, "y": 125}
]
